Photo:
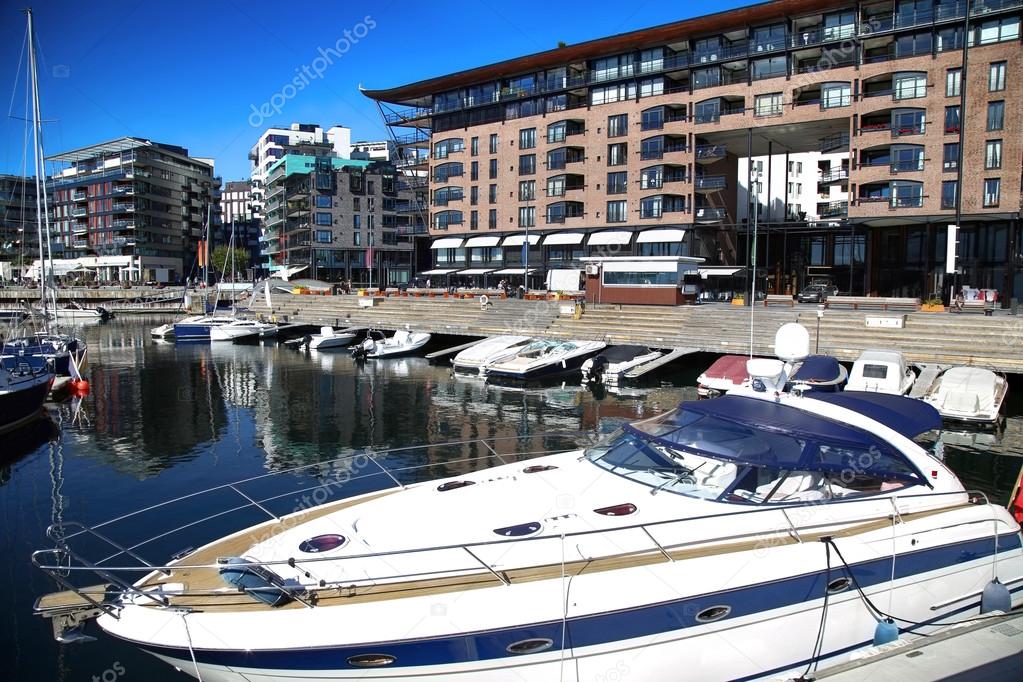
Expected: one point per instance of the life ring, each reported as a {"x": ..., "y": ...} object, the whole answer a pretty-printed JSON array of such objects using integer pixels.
[{"x": 484, "y": 301}]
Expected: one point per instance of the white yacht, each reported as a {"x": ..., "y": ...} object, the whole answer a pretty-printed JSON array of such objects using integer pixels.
[
  {"x": 543, "y": 358},
  {"x": 790, "y": 528},
  {"x": 402, "y": 342},
  {"x": 493, "y": 349},
  {"x": 881, "y": 371},
  {"x": 243, "y": 329},
  {"x": 968, "y": 394},
  {"x": 331, "y": 338}
]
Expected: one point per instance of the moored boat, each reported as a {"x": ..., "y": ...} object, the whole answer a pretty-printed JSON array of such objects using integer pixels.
[
  {"x": 23, "y": 390},
  {"x": 968, "y": 394},
  {"x": 783, "y": 526},
  {"x": 331, "y": 338},
  {"x": 488, "y": 351},
  {"x": 243, "y": 329},
  {"x": 881, "y": 371},
  {"x": 197, "y": 327},
  {"x": 402, "y": 342},
  {"x": 544, "y": 358},
  {"x": 609, "y": 365}
]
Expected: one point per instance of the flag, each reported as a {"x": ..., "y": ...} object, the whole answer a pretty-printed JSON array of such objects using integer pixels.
[{"x": 202, "y": 253}]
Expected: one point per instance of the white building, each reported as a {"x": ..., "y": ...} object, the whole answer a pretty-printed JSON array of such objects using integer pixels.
[
  {"x": 808, "y": 186},
  {"x": 274, "y": 143},
  {"x": 372, "y": 150}
]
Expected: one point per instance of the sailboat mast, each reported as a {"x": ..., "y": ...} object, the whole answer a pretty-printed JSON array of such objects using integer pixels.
[{"x": 39, "y": 168}]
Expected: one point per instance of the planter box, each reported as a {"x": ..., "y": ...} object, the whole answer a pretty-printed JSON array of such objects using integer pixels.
[
  {"x": 738, "y": 301},
  {"x": 927, "y": 308}
]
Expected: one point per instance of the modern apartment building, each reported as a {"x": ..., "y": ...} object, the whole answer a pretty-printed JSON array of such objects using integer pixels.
[
  {"x": 19, "y": 241},
  {"x": 344, "y": 219},
  {"x": 372, "y": 150},
  {"x": 632, "y": 144},
  {"x": 137, "y": 206},
  {"x": 277, "y": 141},
  {"x": 236, "y": 201}
]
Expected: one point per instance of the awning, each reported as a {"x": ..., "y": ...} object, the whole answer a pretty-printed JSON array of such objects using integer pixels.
[
  {"x": 515, "y": 271},
  {"x": 610, "y": 237},
  {"x": 708, "y": 272},
  {"x": 447, "y": 243},
  {"x": 559, "y": 238},
  {"x": 520, "y": 239},
  {"x": 475, "y": 271},
  {"x": 482, "y": 241},
  {"x": 661, "y": 234},
  {"x": 439, "y": 271}
]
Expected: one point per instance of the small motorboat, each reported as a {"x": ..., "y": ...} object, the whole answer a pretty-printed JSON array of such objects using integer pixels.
[
  {"x": 243, "y": 329},
  {"x": 330, "y": 338},
  {"x": 164, "y": 331},
  {"x": 403, "y": 342},
  {"x": 23, "y": 390},
  {"x": 494, "y": 349},
  {"x": 611, "y": 364},
  {"x": 726, "y": 373},
  {"x": 881, "y": 371},
  {"x": 968, "y": 394},
  {"x": 76, "y": 312},
  {"x": 544, "y": 358}
]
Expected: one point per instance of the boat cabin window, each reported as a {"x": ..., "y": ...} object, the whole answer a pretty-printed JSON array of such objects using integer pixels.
[
  {"x": 875, "y": 371},
  {"x": 790, "y": 457}
]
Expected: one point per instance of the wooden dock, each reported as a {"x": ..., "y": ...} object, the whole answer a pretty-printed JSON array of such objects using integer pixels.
[{"x": 994, "y": 343}]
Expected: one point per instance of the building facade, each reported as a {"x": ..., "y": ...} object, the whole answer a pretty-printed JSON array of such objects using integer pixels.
[
  {"x": 19, "y": 236},
  {"x": 372, "y": 150},
  {"x": 277, "y": 141},
  {"x": 236, "y": 201},
  {"x": 642, "y": 134},
  {"x": 139, "y": 207},
  {"x": 343, "y": 219}
]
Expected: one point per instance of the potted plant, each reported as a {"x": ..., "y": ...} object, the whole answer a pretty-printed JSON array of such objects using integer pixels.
[{"x": 932, "y": 305}]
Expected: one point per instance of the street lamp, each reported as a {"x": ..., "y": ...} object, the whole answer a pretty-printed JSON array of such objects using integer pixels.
[{"x": 820, "y": 316}]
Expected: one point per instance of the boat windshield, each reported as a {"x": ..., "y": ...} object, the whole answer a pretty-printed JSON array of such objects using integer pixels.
[{"x": 745, "y": 450}]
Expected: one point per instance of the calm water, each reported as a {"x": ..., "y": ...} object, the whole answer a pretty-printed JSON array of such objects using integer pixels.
[{"x": 163, "y": 420}]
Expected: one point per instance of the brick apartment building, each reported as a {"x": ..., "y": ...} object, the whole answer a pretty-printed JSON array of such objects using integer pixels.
[{"x": 632, "y": 144}]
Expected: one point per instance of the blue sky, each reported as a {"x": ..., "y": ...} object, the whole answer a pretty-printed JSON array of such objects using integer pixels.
[{"x": 190, "y": 73}]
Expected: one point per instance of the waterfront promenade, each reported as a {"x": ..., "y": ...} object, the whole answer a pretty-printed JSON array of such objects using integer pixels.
[{"x": 994, "y": 342}]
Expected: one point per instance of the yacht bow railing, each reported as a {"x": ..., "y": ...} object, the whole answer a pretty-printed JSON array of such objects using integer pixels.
[{"x": 789, "y": 525}]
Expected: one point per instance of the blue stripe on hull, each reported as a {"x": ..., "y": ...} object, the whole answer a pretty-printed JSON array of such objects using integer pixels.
[
  {"x": 602, "y": 628},
  {"x": 191, "y": 332}
]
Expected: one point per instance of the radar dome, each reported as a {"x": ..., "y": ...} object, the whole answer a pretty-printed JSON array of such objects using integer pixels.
[{"x": 792, "y": 342}]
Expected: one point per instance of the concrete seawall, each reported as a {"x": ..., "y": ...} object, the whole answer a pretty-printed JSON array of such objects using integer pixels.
[{"x": 964, "y": 339}]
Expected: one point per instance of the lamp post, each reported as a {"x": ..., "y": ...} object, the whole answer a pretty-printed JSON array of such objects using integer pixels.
[
  {"x": 820, "y": 316},
  {"x": 755, "y": 187}
]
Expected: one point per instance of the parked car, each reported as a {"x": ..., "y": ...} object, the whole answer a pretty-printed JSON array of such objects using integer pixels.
[{"x": 816, "y": 293}]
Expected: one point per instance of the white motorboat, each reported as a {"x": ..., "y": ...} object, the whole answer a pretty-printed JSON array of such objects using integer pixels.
[
  {"x": 489, "y": 350},
  {"x": 164, "y": 331},
  {"x": 197, "y": 327},
  {"x": 786, "y": 527},
  {"x": 402, "y": 342},
  {"x": 543, "y": 358},
  {"x": 76, "y": 312},
  {"x": 243, "y": 329},
  {"x": 331, "y": 338},
  {"x": 881, "y": 371},
  {"x": 968, "y": 394},
  {"x": 724, "y": 374},
  {"x": 610, "y": 365}
]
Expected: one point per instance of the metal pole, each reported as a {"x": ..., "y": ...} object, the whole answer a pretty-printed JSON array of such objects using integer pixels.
[
  {"x": 39, "y": 165},
  {"x": 753, "y": 260},
  {"x": 959, "y": 160}
]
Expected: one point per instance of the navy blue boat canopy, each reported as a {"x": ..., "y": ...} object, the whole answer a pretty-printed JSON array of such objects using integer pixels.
[
  {"x": 818, "y": 369},
  {"x": 763, "y": 433},
  {"x": 906, "y": 416}
]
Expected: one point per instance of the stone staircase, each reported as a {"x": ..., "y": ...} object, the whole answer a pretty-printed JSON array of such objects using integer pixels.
[{"x": 965, "y": 339}]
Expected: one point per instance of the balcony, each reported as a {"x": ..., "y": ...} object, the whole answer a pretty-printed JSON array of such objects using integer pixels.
[
  {"x": 124, "y": 207},
  {"x": 124, "y": 224},
  {"x": 710, "y": 183},
  {"x": 407, "y": 116},
  {"x": 410, "y": 207},
  {"x": 706, "y": 216},
  {"x": 79, "y": 195},
  {"x": 821, "y": 34},
  {"x": 124, "y": 190},
  {"x": 79, "y": 228},
  {"x": 907, "y": 165},
  {"x": 912, "y": 201},
  {"x": 79, "y": 212},
  {"x": 908, "y": 130},
  {"x": 80, "y": 244},
  {"x": 709, "y": 153},
  {"x": 981, "y": 7},
  {"x": 833, "y": 209},
  {"x": 834, "y": 175}
]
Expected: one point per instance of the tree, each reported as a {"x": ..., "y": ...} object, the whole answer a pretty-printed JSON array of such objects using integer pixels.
[{"x": 224, "y": 260}]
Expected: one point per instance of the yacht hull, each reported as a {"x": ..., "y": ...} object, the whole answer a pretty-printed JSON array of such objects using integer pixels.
[
  {"x": 22, "y": 401},
  {"x": 544, "y": 371}
]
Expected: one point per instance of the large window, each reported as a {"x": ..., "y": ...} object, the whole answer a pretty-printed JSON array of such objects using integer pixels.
[
  {"x": 992, "y": 192},
  {"x": 948, "y": 193},
  {"x": 323, "y": 201},
  {"x": 618, "y": 125},
  {"x": 444, "y": 171},
  {"x": 474, "y": 195},
  {"x": 324, "y": 236},
  {"x": 651, "y": 87},
  {"x": 324, "y": 219},
  {"x": 907, "y": 194},
  {"x": 996, "y": 77},
  {"x": 492, "y": 170},
  {"x": 443, "y": 195},
  {"x": 617, "y": 154},
  {"x": 442, "y": 219},
  {"x": 768, "y": 105},
  {"x": 650, "y": 207},
  {"x": 653, "y": 119},
  {"x": 953, "y": 82},
  {"x": 950, "y": 157},
  {"x": 493, "y": 143},
  {"x": 617, "y": 211},
  {"x": 618, "y": 182},
  {"x": 474, "y": 171},
  {"x": 527, "y": 190},
  {"x": 610, "y": 68},
  {"x": 993, "y": 155},
  {"x": 996, "y": 31},
  {"x": 492, "y": 219},
  {"x": 474, "y": 146},
  {"x": 952, "y": 119},
  {"x": 527, "y": 216},
  {"x": 909, "y": 85},
  {"x": 492, "y": 194},
  {"x": 836, "y": 95},
  {"x": 651, "y": 178},
  {"x": 527, "y": 138},
  {"x": 651, "y": 148},
  {"x": 613, "y": 93},
  {"x": 442, "y": 149},
  {"x": 527, "y": 164},
  {"x": 557, "y": 132},
  {"x": 770, "y": 67},
  {"x": 640, "y": 278},
  {"x": 996, "y": 115}
]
